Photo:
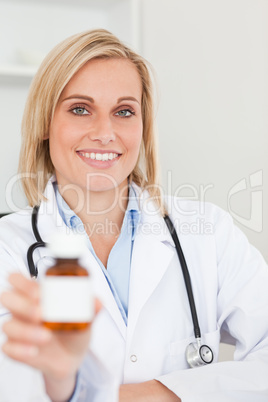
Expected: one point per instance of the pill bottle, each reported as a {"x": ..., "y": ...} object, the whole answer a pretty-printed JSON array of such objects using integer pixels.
[{"x": 67, "y": 301}]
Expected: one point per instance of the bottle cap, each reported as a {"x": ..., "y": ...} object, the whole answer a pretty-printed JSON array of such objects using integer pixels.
[{"x": 67, "y": 245}]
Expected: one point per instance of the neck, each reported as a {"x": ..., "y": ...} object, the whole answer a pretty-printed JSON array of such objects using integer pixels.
[{"x": 102, "y": 208}]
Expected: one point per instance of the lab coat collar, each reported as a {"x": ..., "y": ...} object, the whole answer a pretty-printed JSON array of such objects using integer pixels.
[
  {"x": 152, "y": 221},
  {"x": 48, "y": 215}
]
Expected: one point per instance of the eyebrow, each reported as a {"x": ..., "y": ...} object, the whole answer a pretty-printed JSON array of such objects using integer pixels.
[
  {"x": 123, "y": 98},
  {"x": 88, "y": 98},
  {"x": 75, "y": 96}
]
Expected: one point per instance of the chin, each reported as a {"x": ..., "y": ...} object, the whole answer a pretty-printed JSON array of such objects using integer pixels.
[{"x": 104, "y": 184}]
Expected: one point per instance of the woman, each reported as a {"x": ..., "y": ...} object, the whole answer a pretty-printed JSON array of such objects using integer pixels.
[{"x": 89, "y": 154}]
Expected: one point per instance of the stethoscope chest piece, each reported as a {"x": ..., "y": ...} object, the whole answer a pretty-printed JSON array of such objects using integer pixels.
[{"x": 198, "y": 355}]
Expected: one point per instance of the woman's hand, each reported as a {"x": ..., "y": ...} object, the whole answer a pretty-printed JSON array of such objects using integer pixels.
[
  {"x": 149, "y": 391},
  {"x": 58, "y": 355}
]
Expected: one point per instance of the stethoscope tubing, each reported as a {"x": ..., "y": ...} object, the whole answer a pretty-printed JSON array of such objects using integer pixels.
[
  {"x": 186, "y": 275},
  {"x": 197, "y": 347},
  {"x": 39, "y": 243}
]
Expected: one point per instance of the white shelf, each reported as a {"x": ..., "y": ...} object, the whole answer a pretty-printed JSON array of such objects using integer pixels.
[
  {"x": 18, "y": 71},
  {"x": 47, "y": 22}
]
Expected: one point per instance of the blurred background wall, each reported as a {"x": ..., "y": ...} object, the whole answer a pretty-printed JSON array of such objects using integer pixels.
[{"x": 211, "y": 61}]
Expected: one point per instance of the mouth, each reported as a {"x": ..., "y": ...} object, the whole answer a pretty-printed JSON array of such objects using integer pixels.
[
  {"x": 108, "y": 156},
  {"x": 98, "y": 159}
]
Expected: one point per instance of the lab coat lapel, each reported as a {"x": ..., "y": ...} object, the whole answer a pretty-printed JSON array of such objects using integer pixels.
[
  {"x": 152, "y": 254},
  {"x": 103, "y": 292}
]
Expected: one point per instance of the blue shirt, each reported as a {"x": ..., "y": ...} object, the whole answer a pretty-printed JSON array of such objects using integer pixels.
[{"x": 119, "y": 261}]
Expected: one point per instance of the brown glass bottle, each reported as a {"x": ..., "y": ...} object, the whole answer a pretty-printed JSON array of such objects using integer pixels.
[{"x": 66, "y": 296}]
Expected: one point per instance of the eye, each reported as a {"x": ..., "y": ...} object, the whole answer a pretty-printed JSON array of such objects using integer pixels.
[
  {"x": 125, "y": 113},
  {"x": 80, "y": 111}
]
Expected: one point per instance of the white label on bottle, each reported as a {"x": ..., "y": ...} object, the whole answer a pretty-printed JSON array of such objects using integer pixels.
[{"x": 67, "y": 299}]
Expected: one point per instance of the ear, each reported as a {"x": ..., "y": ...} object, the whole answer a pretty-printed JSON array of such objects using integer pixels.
[{"x": 46, "y": 137}]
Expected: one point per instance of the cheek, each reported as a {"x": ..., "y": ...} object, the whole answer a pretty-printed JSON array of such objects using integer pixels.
[
  {"x": 59, "y": 143},
  {"x": 134, "y": 140},
  {"x": 61, "y": 136}
]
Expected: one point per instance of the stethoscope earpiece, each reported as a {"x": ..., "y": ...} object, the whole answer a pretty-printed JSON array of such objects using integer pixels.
[{"x": 198, "y": 355}]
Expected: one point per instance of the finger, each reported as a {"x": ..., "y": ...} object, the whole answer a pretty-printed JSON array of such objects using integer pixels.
[
  {"x": 21, "y": 352},
  {"x": 21, "y": 306},
  {"x": 98, "y": 306},
  {"x": 18, "y": 331},
  {"x": 24, "y": 285}
]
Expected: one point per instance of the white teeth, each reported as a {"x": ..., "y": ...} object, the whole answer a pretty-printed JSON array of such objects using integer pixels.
[{"x": 99, "y": 157}]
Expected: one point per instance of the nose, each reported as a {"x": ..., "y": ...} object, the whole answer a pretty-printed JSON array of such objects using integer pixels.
[{"x": 103, "y": 131}]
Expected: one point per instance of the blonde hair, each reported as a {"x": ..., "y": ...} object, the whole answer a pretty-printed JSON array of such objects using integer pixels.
[{"x": 55, "y": 72}]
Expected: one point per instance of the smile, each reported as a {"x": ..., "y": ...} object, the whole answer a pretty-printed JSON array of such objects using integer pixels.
[{"x": 99, "y": 157}]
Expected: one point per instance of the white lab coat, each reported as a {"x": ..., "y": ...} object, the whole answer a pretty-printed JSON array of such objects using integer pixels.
[{"x": 230, "y": 285}]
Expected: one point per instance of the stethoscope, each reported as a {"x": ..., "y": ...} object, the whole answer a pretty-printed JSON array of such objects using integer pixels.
[{"x": 196, "y": 354}]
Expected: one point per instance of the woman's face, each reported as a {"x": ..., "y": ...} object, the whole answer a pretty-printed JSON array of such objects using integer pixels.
[{"x": 96, "y": 132}]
